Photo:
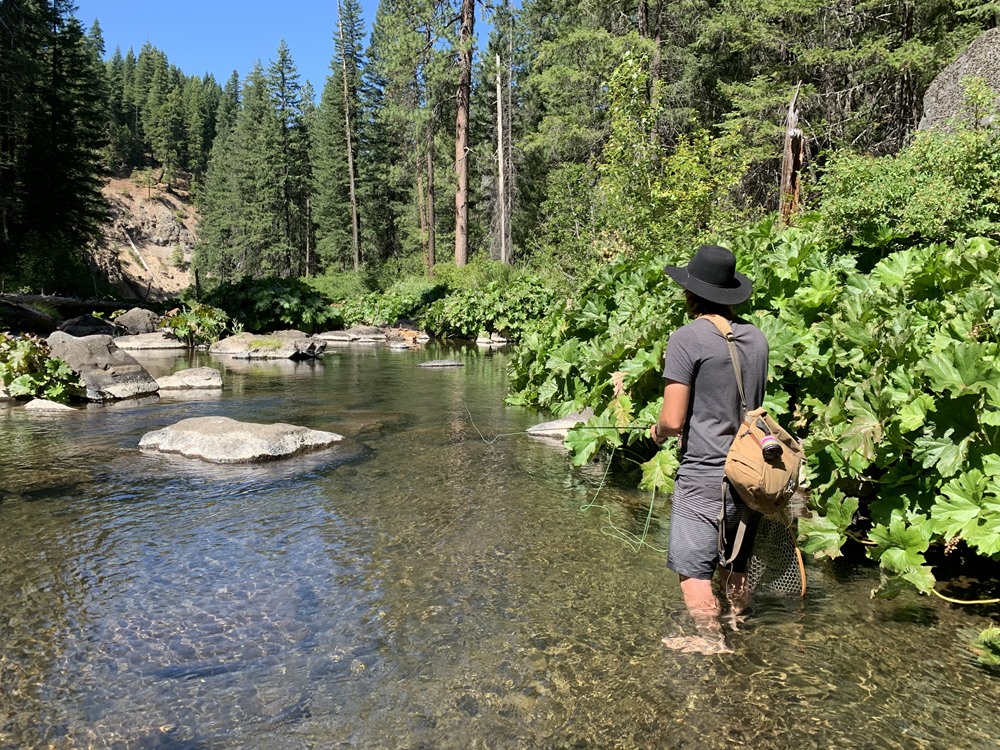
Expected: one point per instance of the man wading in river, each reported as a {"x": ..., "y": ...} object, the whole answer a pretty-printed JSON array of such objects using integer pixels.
[{"x": 701, "y": 404}]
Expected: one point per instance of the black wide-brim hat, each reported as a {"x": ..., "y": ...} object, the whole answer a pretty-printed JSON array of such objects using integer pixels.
[{"x": 712, "y": 275}]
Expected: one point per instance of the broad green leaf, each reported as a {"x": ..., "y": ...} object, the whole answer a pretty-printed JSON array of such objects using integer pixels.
[
  {"x": 821, "y": 537},
  {"x": 957, "y": 510},
  {"x": 987, "y": 646},
  {"x": 941, "y": 453},
  {"x": 658, "y": 472},
  {"x": 913, "y": 414},
  {"x": 583, "y": 443},
  {"x": 961, "y": 369},
  {"x": 899, "y": 546},
  {"x": 864, "y": 430}
]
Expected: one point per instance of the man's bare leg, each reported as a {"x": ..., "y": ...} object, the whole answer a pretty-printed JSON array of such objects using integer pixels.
[
  {"x": 704, "y": 609},
  {"x": 737, "y": 596}
]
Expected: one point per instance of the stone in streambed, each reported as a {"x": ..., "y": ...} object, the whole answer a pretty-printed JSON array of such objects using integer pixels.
[{"x": 226, "y": 441}]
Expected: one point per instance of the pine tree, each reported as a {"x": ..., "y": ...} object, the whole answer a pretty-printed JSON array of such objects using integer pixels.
[
  {"x": 244, "y": 205},
  {"x": 336, "y": 147},
  {"x": 294, "y": 170},
  {"x": 52, "y": 84},
  {"x": 411, "y": 60}
]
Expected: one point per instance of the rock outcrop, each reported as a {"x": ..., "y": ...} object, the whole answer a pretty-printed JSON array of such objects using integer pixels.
[
  {"x": 945, "y": 97},
  {"x": 108, "y": 372},
  {"x": 226, "y": 441},
  {"x": 277, "y": 345}
]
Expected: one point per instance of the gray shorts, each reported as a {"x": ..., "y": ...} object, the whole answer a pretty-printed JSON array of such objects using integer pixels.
[{"x": 694, "y": 530}]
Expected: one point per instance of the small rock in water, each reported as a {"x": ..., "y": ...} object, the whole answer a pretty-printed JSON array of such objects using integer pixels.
[{"x": 441, "y": 363}]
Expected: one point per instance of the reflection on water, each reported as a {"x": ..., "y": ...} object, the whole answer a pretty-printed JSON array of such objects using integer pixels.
[{"x": 419, "y": 587}]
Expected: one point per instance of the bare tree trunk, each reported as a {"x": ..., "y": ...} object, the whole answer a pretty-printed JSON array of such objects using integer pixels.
[
  {"x": 792, "y": 161},
  {"x": 355, "y": 233},
  {"x": 462, "y": 132},
  {"x": 422, "y": 219},
  {"x": 431, "y": 252},
  {"x": 308, "y": 236},
  {"x": 501, "y": 157}
]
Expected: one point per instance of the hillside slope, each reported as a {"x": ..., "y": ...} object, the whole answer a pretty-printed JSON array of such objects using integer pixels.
[{"x": 146, "y": 248}]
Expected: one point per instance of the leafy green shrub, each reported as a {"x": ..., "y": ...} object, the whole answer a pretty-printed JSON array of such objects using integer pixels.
[
  {"x": 199, "y": 324},
  {"x": 506, "y": 306},
  {"x": 269, "y": 304},
  {"x": 28, "y": 370},
  {"x": 404, "y": 299},
  {"x": 339, "y": 286},
  {"x": 942, "y": 186}
]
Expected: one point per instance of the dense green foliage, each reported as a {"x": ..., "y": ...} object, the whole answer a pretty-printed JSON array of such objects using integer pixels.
[
  {"x": 885, "y": 356},
  {"x": 27, "y": 370},
  {"x": 269, "y": 304},
  {"x": 52, "y": 109}
]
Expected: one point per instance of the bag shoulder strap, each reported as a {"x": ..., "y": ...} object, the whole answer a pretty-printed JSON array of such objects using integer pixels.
[{"x": 727, "y": 333}]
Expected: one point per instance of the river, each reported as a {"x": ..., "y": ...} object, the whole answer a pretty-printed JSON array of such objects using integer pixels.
[{"x": 439, "y": 581}]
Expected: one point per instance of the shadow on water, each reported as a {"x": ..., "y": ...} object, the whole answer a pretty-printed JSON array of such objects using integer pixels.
[{"x": 424, "y": 585}]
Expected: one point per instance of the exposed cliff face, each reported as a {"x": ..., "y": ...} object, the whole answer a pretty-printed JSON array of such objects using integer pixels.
[
  {"x": 147, "y": 243},
  {"x": 945, "y": 98}
]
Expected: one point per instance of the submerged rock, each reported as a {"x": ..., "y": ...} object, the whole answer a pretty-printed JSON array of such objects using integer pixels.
[
  {"x": 150, "y": 341},
  {"x": 559, "y": 428},
  {"x": 441, "y": 363},
  {"x": 226, "y": 441},
  {"x": 191, "y": 379},
  {"x": 107, "y": 371},
  {"x": 42, "y": 404}
]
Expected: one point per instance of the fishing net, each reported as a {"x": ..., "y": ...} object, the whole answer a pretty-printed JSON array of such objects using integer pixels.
[{"x": 775, "y": 566}]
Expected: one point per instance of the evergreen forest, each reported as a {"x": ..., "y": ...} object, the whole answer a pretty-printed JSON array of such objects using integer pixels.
[{"x": 529, "y": 168}]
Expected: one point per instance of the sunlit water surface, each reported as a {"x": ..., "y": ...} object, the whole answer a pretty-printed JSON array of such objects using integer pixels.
[{"x": 433, "y": 583}]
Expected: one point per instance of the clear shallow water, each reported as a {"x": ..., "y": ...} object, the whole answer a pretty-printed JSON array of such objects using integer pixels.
[{"x": 419, "y": 588}]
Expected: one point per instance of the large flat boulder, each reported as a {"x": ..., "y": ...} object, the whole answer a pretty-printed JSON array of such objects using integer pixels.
[
  {"x": 223, "y": 440},
  {"x": 193, "y": 378},
  {"x": 107, "y": 372},
  {"x": 150, "y": 341},
  {"x": 276, "y": 345}
]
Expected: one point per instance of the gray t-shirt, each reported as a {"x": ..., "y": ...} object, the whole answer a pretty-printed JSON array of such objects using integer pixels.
[{"x": 697, "y": 355}]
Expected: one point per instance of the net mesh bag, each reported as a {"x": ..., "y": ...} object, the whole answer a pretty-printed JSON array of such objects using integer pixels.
[{"x": 775, "y": 566}]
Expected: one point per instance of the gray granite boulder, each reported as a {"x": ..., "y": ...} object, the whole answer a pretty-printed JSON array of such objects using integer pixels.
[
  {"x": 226, "y": 441},
  {"x": 945, "y": 97},
  {"x": 276, "y": 345},
  {"x": 87, "y": 325},
  {"x": 194, "y": 378},
  {"x": 559, "y": 428},
  {"x": 107, "y": 372},
  {"x": 138, "y": 320},
  {"x": 150, "y": 341}
]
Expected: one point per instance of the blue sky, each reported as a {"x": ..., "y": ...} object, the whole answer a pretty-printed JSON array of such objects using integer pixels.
[{"x": 220, "y": 36}]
